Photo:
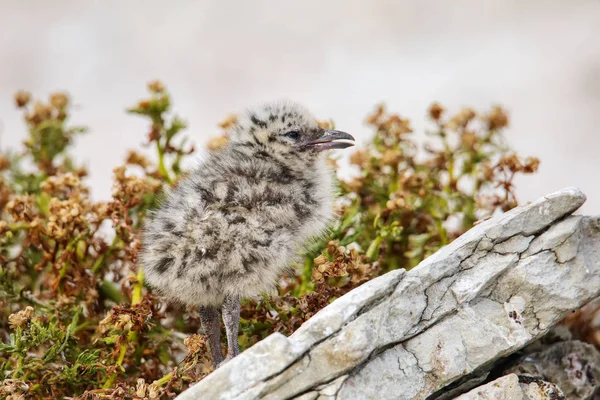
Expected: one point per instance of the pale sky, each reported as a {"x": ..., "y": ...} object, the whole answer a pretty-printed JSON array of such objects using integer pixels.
[{"x": 538, "y": 58}]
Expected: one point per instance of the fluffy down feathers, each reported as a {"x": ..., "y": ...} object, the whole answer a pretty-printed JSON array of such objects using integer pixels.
[{"x": 236, "y": 221}]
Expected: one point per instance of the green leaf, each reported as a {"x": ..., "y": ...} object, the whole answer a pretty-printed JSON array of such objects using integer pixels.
[{"x": 373, "y": 250}]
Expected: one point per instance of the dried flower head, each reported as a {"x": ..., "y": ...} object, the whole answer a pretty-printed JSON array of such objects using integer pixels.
[
  {"x": 22, "y": 98},
  {"x": 65, "y": 217},
  {"x": 461, "y": 120},
  {"x": 360, "y": 158},
  {"x": 154, "y": 391},
  {"x": 21, "y": 207},
  {"x": 156, "y": 87},
  {"x": 512, "y": 162},
  {"x": 141, "y": 388},
  {"x": 135, "y": 158},
  {"x": 397, "y": 126},
  {"x": 3, "y": 227},
  {"x": 320, "y": 260},
  {"x": 19, "y": 319},
  {"x": 64, "y": 186},
  {"x": 487, "y": 171},
  {"x": 344, "y": 262},
  {"x": 130, "y": 189},
  {"x": 59, "y": 100},
  {"x": 228, "y": 122},
  {"x": 332, "y": 163},
  {"x": 375, "y": 116},
  {"x": 195, "y": 343},
  {"x": 217, "y": 142},
  {"x": 391, "y": 158},
  {"x": 397, "y": 204},
  {"x": 531, "y": 165},
  {"x": 496, "y": 118},
  {"x": 4, "y": 163},
  {"x": 354, "y": 186},
  {"x": 468, "y": 139},
  {"x": 123, "y": 322},
  {"x": 325, "y": 124},
  {"x": 41, "y": 112},
  {"x": 5, "y": 193},
  {"x": 436, "y": 111},
  {"x": 13, "y": 389}
]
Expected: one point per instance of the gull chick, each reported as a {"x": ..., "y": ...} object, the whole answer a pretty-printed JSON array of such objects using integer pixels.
[{"x": 229, "y": 229}]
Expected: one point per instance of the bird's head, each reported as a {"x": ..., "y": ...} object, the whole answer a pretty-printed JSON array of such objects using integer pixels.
[{"x": 287, "y": 129}]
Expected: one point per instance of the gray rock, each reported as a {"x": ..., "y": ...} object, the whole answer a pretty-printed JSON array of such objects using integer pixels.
[
  {"x": 573, "y": 365},
  {"x": 539, "y": 389},
  {"x": 505, "y": 388},
  {"x": 554, "y": 237},
  {"x": 407, "y": 335},
  {"x": 513, "y": 387},
  {"x": 516, "y": 244}
]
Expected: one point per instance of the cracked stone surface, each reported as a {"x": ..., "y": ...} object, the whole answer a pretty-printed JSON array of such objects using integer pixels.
[{"x": 407, "y": 335}]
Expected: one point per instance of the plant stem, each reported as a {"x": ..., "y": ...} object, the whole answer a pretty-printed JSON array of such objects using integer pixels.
[
  {"x": 442, "y": 232},
  {"x": 162, "y": 170},
  {"x": 306, "y": 275},
  {"x": 111, "y": 380},
  {"x": 136, "y": 296},
  {"x": 132, "y": 336},
  {"x": 100, "y": 261},
  {"x": 163, "y": 380},
  {"x": 110, "y": 291},
  {"x": 373, "y": 250}
]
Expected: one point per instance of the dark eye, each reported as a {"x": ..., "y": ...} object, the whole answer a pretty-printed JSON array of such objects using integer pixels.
[{"x": 294, "y": 135}]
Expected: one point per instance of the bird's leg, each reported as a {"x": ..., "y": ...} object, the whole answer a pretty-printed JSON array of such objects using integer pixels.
[
  {"x": 209, "y": 317},
  {"x": 231, "y": 319}
]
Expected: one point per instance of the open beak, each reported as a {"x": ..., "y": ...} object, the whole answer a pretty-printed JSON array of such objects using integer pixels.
[{"x": 331, "y": 140}]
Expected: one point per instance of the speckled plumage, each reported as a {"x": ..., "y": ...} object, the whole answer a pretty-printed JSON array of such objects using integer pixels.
[{"x": 231, "y": 227}]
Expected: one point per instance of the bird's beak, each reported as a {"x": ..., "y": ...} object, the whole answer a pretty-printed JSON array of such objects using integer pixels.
[{"x": 331, "y": 140}]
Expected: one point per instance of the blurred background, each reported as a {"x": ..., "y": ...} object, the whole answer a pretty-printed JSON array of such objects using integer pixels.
[{"x": 538, "y": 58}]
